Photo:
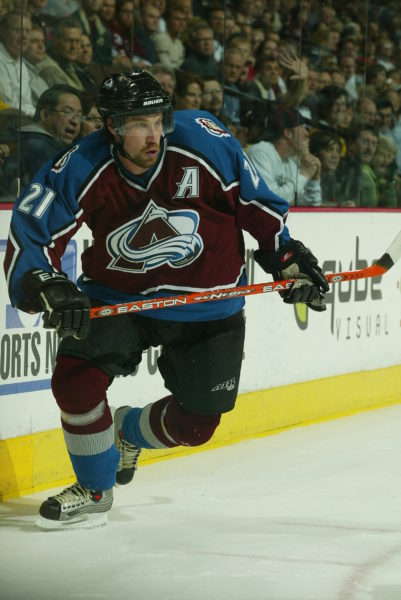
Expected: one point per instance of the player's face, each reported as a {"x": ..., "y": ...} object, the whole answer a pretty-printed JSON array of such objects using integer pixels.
[{"x": 141, "y": 137}]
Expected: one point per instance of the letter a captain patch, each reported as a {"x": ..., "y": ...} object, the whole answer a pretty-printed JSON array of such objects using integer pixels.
[{"x": 188, "y": 187}]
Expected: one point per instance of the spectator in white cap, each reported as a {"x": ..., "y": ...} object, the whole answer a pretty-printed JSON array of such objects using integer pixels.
[{"x": 284, "y": 161}]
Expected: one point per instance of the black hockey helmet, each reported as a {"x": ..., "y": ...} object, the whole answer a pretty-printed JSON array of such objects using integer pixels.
[{"x": 135, "y": 92}]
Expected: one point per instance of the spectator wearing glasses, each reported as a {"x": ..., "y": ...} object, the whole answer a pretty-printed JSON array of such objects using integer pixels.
[
  {"x": 56, "y": 124},
  {"x": 12, "y": 73},
  {"x": 212, "y": 96},
  {"x": 200, "y": 56}
]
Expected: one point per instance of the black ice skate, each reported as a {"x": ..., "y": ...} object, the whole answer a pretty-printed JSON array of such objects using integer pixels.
[
  {"x": 129, "y": 453},
  {"x": 75, "y": 507}
]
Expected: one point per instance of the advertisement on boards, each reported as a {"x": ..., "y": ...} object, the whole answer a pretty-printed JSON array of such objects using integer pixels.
[{"x": 360, "y": 330}]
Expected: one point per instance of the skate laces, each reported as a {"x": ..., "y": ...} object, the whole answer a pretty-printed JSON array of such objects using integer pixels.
[
  {"x": 73, "y": 494},
  {"x": 129, "y": 454}
]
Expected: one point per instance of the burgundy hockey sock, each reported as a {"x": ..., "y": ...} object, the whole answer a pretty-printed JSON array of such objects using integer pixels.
[{"x": 175, "y": 426}]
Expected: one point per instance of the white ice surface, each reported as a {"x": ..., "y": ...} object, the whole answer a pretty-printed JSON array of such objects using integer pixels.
[{"x": 311, "y": 514}]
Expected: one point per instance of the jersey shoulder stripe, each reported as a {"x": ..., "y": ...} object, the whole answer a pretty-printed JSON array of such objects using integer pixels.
[
  {"x": 74, "y": 167},
  {"x": 205, "y": 136}
]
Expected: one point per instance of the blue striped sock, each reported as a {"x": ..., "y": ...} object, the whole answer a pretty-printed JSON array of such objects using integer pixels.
[
  {"x": 131, "y": 429},
  {"x": 96, "y": 471}
]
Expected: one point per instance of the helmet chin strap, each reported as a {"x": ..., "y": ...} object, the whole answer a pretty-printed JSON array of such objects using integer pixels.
[{"x": 121, "y": 150}]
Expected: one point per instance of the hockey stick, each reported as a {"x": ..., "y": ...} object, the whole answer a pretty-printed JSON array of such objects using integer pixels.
[{"x": 389, "y": 258}]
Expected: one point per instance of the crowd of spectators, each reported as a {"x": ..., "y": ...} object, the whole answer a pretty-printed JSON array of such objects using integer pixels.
[{"x": 311, "y": 89}]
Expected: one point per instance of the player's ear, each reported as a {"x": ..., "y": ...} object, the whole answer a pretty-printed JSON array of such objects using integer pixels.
[{"x": 113, "y": 132}]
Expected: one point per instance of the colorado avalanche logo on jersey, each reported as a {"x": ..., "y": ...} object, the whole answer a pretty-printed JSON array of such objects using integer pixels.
[
  {"x": 158, "y": 237},
  {"x": 212, "y": 127},
  {"x": 62, "y": 162}
]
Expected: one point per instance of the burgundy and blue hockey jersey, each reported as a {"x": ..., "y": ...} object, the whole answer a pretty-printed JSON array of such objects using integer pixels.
[{"x": 177, "y": 229}]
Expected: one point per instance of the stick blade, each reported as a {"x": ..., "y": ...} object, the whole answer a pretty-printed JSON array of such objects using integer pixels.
[{"x": 392, "y": 255}]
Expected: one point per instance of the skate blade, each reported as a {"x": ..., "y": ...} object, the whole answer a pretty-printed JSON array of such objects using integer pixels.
[{"x": 89, "y": 521}]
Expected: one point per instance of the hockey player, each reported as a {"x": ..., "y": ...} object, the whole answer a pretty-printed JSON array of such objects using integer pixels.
[{"x": 166, "y": 205}]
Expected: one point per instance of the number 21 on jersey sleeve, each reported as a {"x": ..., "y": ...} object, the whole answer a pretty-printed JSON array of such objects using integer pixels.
[{"x": 46, "y": 196}]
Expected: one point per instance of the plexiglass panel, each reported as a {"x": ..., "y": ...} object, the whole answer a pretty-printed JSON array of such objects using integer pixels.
[{"x": 310, "y": 88}]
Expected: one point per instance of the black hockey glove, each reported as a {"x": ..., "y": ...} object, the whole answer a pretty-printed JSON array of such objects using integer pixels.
[
  {"x": 66, "y": 308},
  {"x": 295, "y": 261}
]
